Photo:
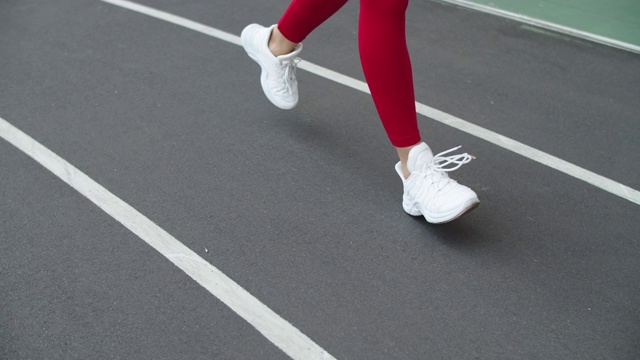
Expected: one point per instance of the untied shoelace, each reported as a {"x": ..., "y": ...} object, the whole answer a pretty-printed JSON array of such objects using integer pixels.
[{"x": 440, "y": 162}]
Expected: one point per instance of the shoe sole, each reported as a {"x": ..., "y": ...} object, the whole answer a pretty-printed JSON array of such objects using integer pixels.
[
  {"x": 416, "y": 210},
  {"x": 245, "y": 38}
]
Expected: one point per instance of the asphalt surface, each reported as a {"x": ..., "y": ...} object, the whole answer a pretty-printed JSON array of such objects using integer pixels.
[{"x": 302, "y": 208}]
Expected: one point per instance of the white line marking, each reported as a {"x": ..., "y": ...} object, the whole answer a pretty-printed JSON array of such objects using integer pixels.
[
  {"x": 519, "y": 148},
  {"x": 271, "y": 325},
  {"x": 177, "y": 20},
  {"x": 547, "y": 25}
]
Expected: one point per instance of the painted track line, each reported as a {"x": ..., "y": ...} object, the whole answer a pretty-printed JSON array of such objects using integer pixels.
[
  {"x": 529, "y": 152},
  {"x": 547, "y": 25},
  {"x": 280, "y": 332}
]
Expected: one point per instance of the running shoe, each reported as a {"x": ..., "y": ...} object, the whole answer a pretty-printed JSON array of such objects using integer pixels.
[
  {"x": 278, "y": 76},
  {"x": 428, "y": 191}
]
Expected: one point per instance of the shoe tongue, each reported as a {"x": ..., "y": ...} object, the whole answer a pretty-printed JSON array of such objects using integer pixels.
[{"x": 420, "y": 154}]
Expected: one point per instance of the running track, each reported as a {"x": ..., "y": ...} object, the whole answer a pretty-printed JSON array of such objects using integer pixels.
[{"x": 280, "y": 233}]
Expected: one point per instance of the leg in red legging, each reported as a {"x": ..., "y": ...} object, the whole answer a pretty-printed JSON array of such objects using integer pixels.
[{"x": 387, "y": 68}]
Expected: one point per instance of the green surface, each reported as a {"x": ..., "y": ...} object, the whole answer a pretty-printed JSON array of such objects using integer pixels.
[{"x": 615, "y": 19}]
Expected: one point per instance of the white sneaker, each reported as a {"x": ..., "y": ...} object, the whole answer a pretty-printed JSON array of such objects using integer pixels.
[
  {"x": 429, "y": 191},
  {"x": 278, "y": 77}
]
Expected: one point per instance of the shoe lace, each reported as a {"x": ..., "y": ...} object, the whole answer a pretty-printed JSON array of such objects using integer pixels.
[
  {"x": 440, "y": 162},
  {"x": 440, "y": 165},
  {"x": 287, "y": 71}
]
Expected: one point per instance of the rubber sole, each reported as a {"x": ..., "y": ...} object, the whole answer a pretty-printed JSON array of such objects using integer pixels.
[{"x": 416, "y": 210}]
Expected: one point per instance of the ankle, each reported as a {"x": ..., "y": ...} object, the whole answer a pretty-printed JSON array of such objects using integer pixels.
[
  {"x": 405, "y": 170},
  {"x": 279, "y": 45},
  {"x": 403, "y": 154}
]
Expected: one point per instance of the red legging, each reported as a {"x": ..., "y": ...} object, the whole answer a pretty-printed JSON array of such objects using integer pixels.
[{"x": 383, "y": 54}]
